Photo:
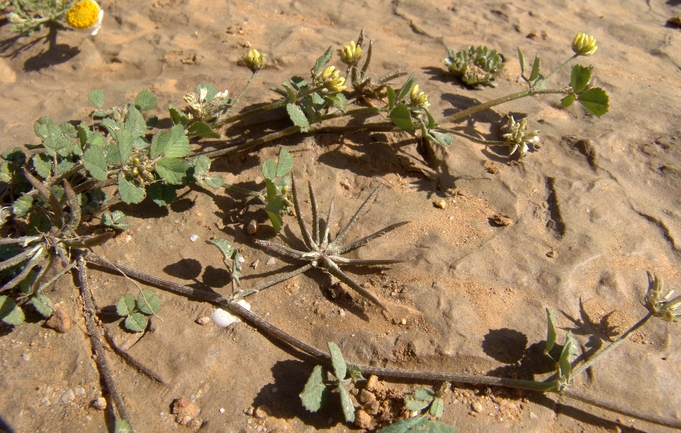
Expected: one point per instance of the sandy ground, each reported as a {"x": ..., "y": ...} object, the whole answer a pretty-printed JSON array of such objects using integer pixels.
[{"x": 591, "y": 211}]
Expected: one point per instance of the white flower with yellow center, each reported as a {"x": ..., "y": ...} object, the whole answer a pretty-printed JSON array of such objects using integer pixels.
[{"x": 85, "y": 15}]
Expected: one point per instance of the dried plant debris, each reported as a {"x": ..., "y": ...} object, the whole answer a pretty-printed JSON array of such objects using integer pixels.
[{"x": 327, "y": 254}]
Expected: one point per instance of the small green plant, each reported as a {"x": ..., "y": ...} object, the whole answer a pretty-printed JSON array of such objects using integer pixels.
[
  {"x": 136, "y": 311},
  {"x": 476, "y": 67},
  {"x": 318, "y": 385}
]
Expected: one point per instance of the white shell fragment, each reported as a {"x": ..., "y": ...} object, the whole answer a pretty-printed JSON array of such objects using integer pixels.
[
  {"x": 271, "y": 261},
  {"x": 193, "y": 238},
  {"x": 223, "y": 319}
]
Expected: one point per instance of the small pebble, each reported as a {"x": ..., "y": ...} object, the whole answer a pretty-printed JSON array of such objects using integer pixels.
[
  {"x": 222, "y": 410},
  {"x": 26, "y": 356},
  {"x": 271, "y": 261},
  {"x": 262, "y": 412},
  {"x": 440, "y": 203},
  {"x": 203, "y": 320},
  {"x": 345, "y": 184},
  {"x": 477, "y": 407},
  {"x": 193, "y": 238},
  {"x": 99, "y": 403},
  {"x": 67, "y": 397},
  {"x": 60, "y": 320},
  {"x": 552, "y": 254},
  {"x": 252, "y": 227}
]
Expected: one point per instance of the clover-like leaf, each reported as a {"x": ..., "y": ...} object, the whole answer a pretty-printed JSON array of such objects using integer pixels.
[
  {"x": 211, "y": 91},
  {"x": 136, "y": 322},
  {"x": 125, "y": 305},
  {"x": 145, "y": 100},
  {"x": 297, "y": 117},
  {"x": 115, "y": 219},
  {"x": 201, "y": 129},
  {"x": 130, "y": 193},
  {"x": 177, "y": 116},
  {"x": 162, "y": 194},
  {"x": 135, "y": 124},
  {"x": 124, "y": 139},
  {"x": 595, "y": 101},
  {"x": 285, "y": 163},
  {"x": 148, "y": 302},
  {"x": 314, "y": 393},
  {"x": 94, "y": 161},
  {"x": 42, "y": 164},
  {"x": 178, "y": 143},
  {"x": 171, "y": 170},
  {"x": 580, "y": 77},
  {"x": 97, "y": 98},
  {"x": 22, "y": 206}
]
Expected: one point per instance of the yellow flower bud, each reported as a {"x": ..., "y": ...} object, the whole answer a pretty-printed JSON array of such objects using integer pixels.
[
  {"x": 85, "y": 15},
  {"x": 254, "y": 60},
  {"x": 350, "y": 54},
  {"x": 419, "y": 99},
  {"x": 332, "y": 80},
  {"x": 584, "y": 45}
]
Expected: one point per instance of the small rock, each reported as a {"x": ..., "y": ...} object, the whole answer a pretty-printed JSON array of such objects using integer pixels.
[
  {"x": 345, "y": 184},
  {"x": 252, "y": 227},
  {"x": 271, "y": 261},
  {"x": 60, "y": 320},
  {"x": 477, "y": 407},
  {"x": 552, "y": 254},
  {"x": 203, "y": 320},
  {"x": 674, "y": 22},
  {"x": 440, "y": 203},
  {"x": 364, "y": 420},
  {"x": 365, "y": 397},
  {"x": 502, "y": 219},
  {"x": 67, "y": 397},
  {"x": 99, "y": 403},
  {"x": 262, "y": 412},
  {"x": 372, "y": 382},
  {"x": 193, "y": 238},
  {"x": 184, "y": 410}
]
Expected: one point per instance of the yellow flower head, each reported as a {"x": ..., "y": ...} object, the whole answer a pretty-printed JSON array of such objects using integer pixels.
[
  {"x": 332, "y": 80},
  {"x": 350, "y": 54},
  {"x": 584, "y": 45},
  {"x": 418, "y": 99},
  {"x": 85, "y": 15},
  {"x": 254, "y": 60}
]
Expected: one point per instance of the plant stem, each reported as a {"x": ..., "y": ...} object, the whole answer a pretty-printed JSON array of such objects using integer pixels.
[
  {"x": 271, "y": 330},
  {"x": 93, "y": 331},
  {"x": 248, "y": 83},
  {"x": 605, "y": 350},
  {"x": 472, "y": 138},
  {"x": 472, "y": 110}
]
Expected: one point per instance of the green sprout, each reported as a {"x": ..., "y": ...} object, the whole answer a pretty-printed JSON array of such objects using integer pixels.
[{"x": 476, "y": 67}]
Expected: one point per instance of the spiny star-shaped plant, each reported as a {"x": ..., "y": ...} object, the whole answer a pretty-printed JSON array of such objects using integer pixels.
[{"x": 326, "y": 254}]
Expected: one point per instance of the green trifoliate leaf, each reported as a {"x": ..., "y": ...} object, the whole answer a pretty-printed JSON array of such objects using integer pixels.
[
  {"x": 171, "y": 170},
  {"x": 580, "y": 77},
  {"x": 125, "y": 305},
  {"x": 148, "y": 302},
  {"x": 201, "y": 129},
  {"x": 595, "y": 101},
  {"x": 94, "y": 161},
  {"x": 130, "y": 193},
  {"x": 10, "y": 313},
  {"x": 97, "y": 98},
  {"x": 42, "y": 164},
  {"x": 314, "y": 393},
  {"x": 401, "y": 117},
  {"x": 298, "y": 117},
  {"x": 136, "y": 322},
  {"x": 340, "y": 368},
  {"x": 178, "y": 143},
  {"x": 145, "y": 100}
]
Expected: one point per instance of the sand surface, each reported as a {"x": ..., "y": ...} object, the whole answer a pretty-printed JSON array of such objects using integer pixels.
[{"x": 590, "y": 212}]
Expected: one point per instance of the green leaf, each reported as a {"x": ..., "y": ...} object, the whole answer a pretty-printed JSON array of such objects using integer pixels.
[
  {"x": 158, "y": 144},
  {"x": 406, "y": 88},
  {"x": 269, "y": 169},
  {"x": 63, "y": 167},
  {"x": 340, "y": 368},
  {"x": 285, "y": 163},
  {"x": 424, "y": 394},
  {"x": 346, "y": 404},
  {"x": 171, "y": 170},
  {"x": 124, "y": 139},
  {"x": 567, "y": 101},
  {"x": 271, "y": 192},
  {"x": 416, "y": 404},
  {"x": 43, "y": 305},
  {"x": 178, "y": 143},
  {"x": 275, "y": 219},
  {"x": 177, "y": 116},
  {"x": 401, "y": 117},
  {"x": 314, "y": 393},
  {"x": 550, "y": 333},
  {"x": 521, "y": 60},
  {"x": 145, "y": 100},
  {"x": 214, "y": 181},
  {"x": 10, "y": 313},
  {"x": 567, "y": 355},
  {"x": 126, "y": 305},
  {"x": 211, "y": 91},
  {"x": 226, "y": 248},
  {"x": 595, "y": 101},
  {"x": 404, "y": 425},
  {"x": 148, "y": 302},
  {"x": 437, "y": 408},
  {"x": 22, "y": 206},
  {"x": 298, "y": 117},
  {"x": 123, "y": 426},
  {"x": 580, "y": 77},
  {"x": 440, "y": 138},
  {"x": 200, "y": 129},
  {"x": 42, "y": 164},
  {"x": 97, "y": 98},
  {"x": 535, "y": 68},
  {"x": 135, "y": 123},
  {"x": 391, "y": 97},
  {"x": 116, "y": 219},
  {"x": 322, "y": 61},
  {"x": 162, "y": 194},
  {"x": 130, "y": 193},
  {"x": 94, "y": 161},
  {"x": 136, "y": 322}
]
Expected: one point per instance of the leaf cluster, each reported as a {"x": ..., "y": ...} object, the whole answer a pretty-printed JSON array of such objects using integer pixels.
[
  {"x": 136, "y": 311},
  {"x": 476, "y": 66}
]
